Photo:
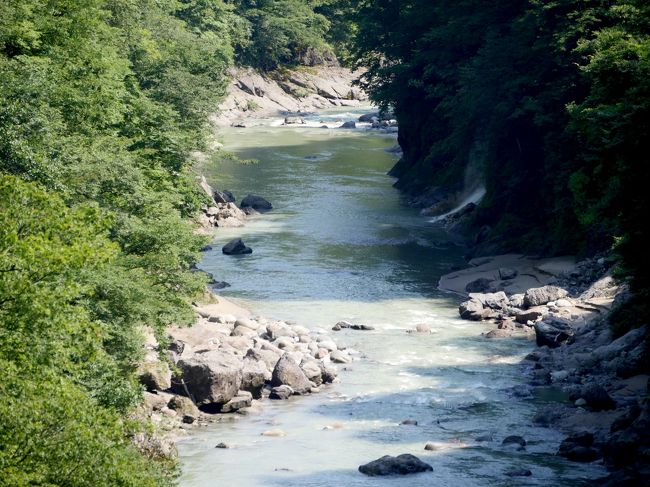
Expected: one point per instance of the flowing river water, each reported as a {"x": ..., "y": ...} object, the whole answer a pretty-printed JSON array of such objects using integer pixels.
[{"x": 341, "y": 245}]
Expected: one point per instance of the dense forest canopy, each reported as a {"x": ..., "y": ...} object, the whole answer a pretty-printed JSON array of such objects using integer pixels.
[
  {"x": 550, "y": 100},
  {"x": 102, "y": 103}
]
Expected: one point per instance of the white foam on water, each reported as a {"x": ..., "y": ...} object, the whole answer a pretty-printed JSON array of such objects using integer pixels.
[{"x": 474, "y": 197}]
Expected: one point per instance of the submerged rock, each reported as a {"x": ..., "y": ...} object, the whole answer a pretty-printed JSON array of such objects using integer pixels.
[
  {"x": 400, "y": 465},
  {"x": 518, "y": 472}
]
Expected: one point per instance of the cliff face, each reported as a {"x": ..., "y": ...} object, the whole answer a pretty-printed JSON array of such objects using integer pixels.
[
  {"x": 525, "y": 205},
  {"x": 255, "y": 94}
]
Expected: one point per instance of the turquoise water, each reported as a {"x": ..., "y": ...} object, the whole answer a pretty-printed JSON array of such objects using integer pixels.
[{"x": 341, "y": 245}]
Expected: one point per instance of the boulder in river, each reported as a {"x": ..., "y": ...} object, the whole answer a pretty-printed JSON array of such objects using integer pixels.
[
  {"x": 483, "y": 306},
  {"x": 223, "y": 196},
  {"x": 349, "y": 125},
  {"x": 288, "y": 372},
  {"x": 552, "y": 333},
  {"x": 537, "y": 296},
  {"x": 368, "y": 117},
  {"x": 472, "y": 309},
  {"x": 400, "y": 465},
  {"x": 518, "y": 472},
  {"x": 596, "y": 398},
  {"x": 255, "y": 375},
  {"x": 236, "y": 247},
  {"x": 578, "y": 448},
  {"x": 281, "y": 392},
  {"x": 212, "y": 378},
  {"x": 242, "y": 400},
  {"x": 256, "y": 202},
  {"x": 345, "y": 325},
  {"x": 294, "y": 120}
]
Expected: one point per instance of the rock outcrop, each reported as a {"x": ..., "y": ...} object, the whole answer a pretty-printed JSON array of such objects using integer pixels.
[{"x": 253, "y": 94}]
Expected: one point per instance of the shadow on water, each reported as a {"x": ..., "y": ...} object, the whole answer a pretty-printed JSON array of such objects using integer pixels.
[
  {"x": 340, "y": 244},
  {"x": 338, "y": 215}
]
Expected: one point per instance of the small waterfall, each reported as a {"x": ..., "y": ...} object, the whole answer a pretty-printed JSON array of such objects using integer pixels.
[{"x": 474, "y": 197}]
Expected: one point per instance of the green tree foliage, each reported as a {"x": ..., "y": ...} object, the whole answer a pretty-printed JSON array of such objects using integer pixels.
[
  {"x": 102, "y": 103},
  {"x": 56, "y": 430},
  {"x": 550, "y": 99},
  {"x": 280, "y": 32}
]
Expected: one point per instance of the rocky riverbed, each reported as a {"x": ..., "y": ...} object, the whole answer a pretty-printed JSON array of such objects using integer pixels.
[
  {"x": 229, "y": 361},
  {"x": 601, "y": 378}
]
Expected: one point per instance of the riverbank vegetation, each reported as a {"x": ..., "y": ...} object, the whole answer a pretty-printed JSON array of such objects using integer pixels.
[
  {"x": 548, "y": 102},
  {"x": 101, "y": 105}
]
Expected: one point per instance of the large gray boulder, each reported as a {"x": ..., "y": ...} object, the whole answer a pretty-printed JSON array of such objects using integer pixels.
[
  {"x": 368, "y": 117},
  {"x": 497, "y": 301},
  {"x": 400, "y": 465},
  {"x": 482, "y": 306},
  {"x": 537, "y": 296},
  {"x": 236, "y": 247},
  {"x": 256, "y": 202},
  {"x": 294, "y": 120},
  {"x": 212, "y": 378},
  {"x": 243, "y": 399},
  {"x": 552, "y": 333},
  {"x": 312, "y": 370},
  {"x": 473, "y": 310},
  {"x": 183, "y": 406},
  {"x": 255, "y": 374},
  {"x": 266, "y": 355},
  {"x": 288, "y": 372}
]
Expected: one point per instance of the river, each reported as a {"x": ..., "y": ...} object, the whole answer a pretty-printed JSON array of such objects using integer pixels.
[{"x": 341, "y": 245}]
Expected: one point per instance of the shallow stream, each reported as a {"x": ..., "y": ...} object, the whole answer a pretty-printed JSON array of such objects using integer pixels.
[{"x": 341, "y": 245}]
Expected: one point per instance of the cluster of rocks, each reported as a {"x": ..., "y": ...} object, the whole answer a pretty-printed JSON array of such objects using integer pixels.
[
  {"x": 605, "y": 378},
  {"x": 550, "y": 311},
  {"x": 606, "y": 382},
  {"x": 222, "y": 210},
  {"x": 223, "y": 364},
  {"x": 252, "y": 93},
  {"x": 379, "y": 120}
]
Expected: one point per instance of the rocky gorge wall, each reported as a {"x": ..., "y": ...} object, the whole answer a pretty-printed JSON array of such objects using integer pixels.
[{"x": 255, "y": 94}]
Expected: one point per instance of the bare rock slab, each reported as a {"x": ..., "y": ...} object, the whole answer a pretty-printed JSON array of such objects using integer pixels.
[{"x": 404, "y": 464}]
